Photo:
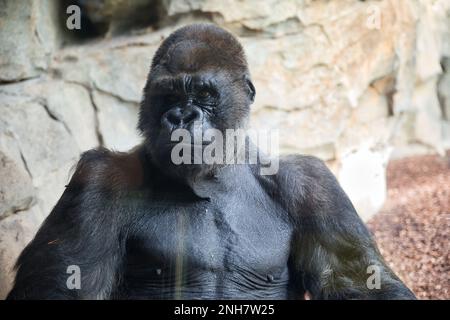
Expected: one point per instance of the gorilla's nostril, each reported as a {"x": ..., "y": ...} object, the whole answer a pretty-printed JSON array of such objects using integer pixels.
[
  {"x": 180, "y": 118},
  {"x": 191, "y": 116},
  {"x": 173, "y": 119}
]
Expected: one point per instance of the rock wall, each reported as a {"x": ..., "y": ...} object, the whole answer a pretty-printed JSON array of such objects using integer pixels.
[{"x": 353, "y": 82}]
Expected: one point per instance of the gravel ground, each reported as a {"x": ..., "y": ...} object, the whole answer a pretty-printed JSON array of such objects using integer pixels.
[{"x": 412, "y": 229}]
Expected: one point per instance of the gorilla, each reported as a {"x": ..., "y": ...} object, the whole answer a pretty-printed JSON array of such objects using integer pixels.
[{"x": 138, "y": 226}]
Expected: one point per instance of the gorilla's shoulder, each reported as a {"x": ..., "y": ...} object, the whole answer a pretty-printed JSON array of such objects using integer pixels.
[
  {"x": 303, "y": 166},
  {"x": 101, "y": 167},
  {"x": 303, "y": 179}
]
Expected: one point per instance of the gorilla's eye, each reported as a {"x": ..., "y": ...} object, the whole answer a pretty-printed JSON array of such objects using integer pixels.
[{"x": 204, "y": 94}]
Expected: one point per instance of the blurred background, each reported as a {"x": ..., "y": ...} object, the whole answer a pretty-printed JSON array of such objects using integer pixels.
[{"x": 364, "y": 85}]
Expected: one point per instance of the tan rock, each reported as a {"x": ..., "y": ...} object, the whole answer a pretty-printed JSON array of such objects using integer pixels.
[
  {"x": 16, "y": 231},
  {"x": 29, "y": 34},
  {"x": 117, "y": 122},
  {"x": 16, "y": 190},
  {"x": 362, "y": 176}
]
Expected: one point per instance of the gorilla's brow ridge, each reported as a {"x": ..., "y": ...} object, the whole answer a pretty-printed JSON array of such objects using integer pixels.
[{"x": 184, "y": 83}]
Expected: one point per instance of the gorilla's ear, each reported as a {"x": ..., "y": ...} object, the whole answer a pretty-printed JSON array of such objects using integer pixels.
[{"x": 250, "y": 88}]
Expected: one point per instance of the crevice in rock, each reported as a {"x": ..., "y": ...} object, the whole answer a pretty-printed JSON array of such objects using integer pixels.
[
  {"x": 350, "y": 44},
  {"x": 26, "y": 204},
  {"x": 388, "y": 90},
  {"x": 136, "y": 44},
  {"x": 272, "y": 31},
  {"x": 322, "y": 30},
  {"x": 390, "y": 102},
  {"x": 440, "y": 97},
  {"x": 291, "y": 109},
  {"x": 95, "y": 87},
  {"x": 6, "y": 82},
  {"x": 121, "y": 99},
  {"x": 38, "y": 36},
  {"x": 97, "y": 121},
  {"x": 98, "y": 132},
  {"x": 25, "y": 164},
  {"x": 54, "y": 116}
]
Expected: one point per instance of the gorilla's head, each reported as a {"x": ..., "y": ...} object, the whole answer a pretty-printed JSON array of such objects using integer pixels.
[{"x": 199, "y": 75}]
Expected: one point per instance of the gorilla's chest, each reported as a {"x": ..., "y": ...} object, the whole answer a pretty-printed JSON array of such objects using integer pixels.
[
  {"x": 236, "y": 236},
  {"x": 216, "y": 233}
]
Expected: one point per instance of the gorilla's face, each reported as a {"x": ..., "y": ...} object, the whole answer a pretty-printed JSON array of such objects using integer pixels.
[{"x": 194, "y": 88}]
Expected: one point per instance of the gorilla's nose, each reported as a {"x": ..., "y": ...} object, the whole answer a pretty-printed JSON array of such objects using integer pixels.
[{"x": 180, "y": 118}]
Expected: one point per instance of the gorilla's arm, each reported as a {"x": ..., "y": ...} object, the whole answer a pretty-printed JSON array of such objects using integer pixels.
[
  {"x": 81, "y": 230},
  {"x": 332, "y": 248}
]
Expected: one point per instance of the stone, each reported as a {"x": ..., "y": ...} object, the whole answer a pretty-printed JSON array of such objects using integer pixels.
[
  {"x": 368, "y": 125},
  {"x": 44, "y": 145},
  {"x": 429, "y": 38},
  {"x": 16, "y": 231},
  {"x": 118, "y": 68},
  {"x": 16, "y": 190},
  {"x": 38, "y": 136},
  {"x": 362, "y": 176},
  {"x": 29, "y": 34},
  {"x": 428, "y": 126},
  {"x": 71, "y": 105},
  {"x": 272, "y": 16},
  {"x": 298, "y": 129},
  {"x": 117, "y": 122},
  {"x": 444, "y": 89},
  {"x": 66, "y": 102}
]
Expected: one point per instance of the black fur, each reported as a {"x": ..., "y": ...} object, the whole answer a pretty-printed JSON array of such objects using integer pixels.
[{"x": 140, "y": 227}]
